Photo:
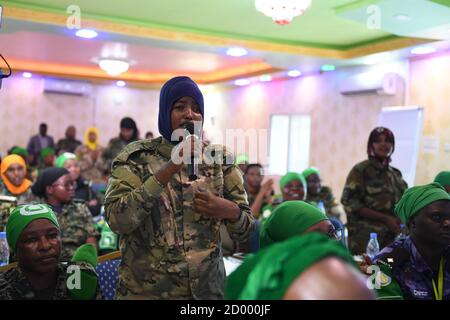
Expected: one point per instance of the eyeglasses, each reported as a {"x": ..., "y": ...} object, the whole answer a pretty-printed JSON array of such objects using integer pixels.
[{"x": 67, "y": 186}]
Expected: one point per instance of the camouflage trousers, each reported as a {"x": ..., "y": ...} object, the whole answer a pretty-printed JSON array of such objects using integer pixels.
[{"x": 359, "y": 235}]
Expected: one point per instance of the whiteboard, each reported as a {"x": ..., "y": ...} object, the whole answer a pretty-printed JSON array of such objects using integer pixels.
[{"x": 406, "y": 124}]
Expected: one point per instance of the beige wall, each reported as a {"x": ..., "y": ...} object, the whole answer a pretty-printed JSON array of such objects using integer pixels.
[
  {"x": 23, "y": 105},
  {"x": 430, "y": 88}
]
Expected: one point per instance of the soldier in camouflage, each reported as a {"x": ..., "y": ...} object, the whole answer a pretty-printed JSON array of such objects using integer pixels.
[
  {"x": 371, "y": 190},
  {"x": 169, "y": 225},
  {"x": 14, "y": 187},
  {"x": 56, "y": 187},
  {"x": 128, "y": 133}
]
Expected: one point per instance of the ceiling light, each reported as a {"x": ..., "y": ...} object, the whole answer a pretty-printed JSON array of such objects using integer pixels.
[
  {"x": 114, "y": 67},
  {"x": 282, "y": 12},
  {"x": 294, "y": 73},
  {"x": 237, "y": 52},
  {"x": 265, "y": 78},
  {"x": 423, "y": 50},
  {"x": 402, "y": 17},
  {"x": 86, "y": 33},
  {"x": 241, "y": 82},
  {"x": 27, "y": 75},
  {"x": 121, "y": 83},
  {"x": 328, "y": 67}
]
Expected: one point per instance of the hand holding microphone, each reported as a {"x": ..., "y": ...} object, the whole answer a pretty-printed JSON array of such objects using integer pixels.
[{"x": 188, "y": 151}]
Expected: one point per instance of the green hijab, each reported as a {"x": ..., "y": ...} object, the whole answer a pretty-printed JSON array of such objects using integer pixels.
[
  {"x": 22, "y": 216},
  {"x": 59, "y": 163},
  {"x": 45, "y": 152},
  {"x": 20, "y": 151},
  {"x": 290, "y": 176},
  {"x": 443, "y": 178},
  {"x": 268, "y": 274},
  {"x": 311, "y": 170},
  {"x": 289, "y": 219},
  {"x": 416, "y": 198}
]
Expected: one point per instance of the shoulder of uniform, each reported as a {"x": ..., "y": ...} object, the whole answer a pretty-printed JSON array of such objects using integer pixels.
[
  {"x": 138, "y": 146},
  {"x": 361, "y": 166},
  {"x": 78, "y": 202},
  {"x": 395, "y": 170}
]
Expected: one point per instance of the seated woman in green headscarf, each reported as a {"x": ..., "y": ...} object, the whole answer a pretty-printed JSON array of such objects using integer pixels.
[
  {"x": 307, "y": 267},
  {"x": 320, "y": 194},
  {"x": 293, "y": 218},
  {"x": 443, "y": 178},
  {"x": 419, "y": 264},
  {"x": 293, "y": 187},
  {"x": 33, "y": 235}
]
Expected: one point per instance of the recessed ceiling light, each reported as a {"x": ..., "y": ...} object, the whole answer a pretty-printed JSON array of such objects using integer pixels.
[
  {"x": 294, "y": 73},
  {"x": 121, "y": 83},
  {"x": 114, "y": 67},
  {"x": 328, "y": 67},
  {"x": 242, "y": 82},
  {"x": 402, "y": 17},
  {"x": 237, "y": 52},
  {"x": 86, "y": 33},
  {"x": 423, "y": 50},
  {"x": 27, "y": 75},
  {"x": 265, "y": 78}
]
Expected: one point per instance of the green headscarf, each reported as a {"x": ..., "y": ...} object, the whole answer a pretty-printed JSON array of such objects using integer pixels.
[
  {"x": 20, "y": 151},
  {"x": 59, "y": 163},
  {"x": 268, "y": 274},
  {"x": 311, "y": 170},
  {"x": 240, "y": 159},
  {"x": 443, "y": 178},
  {"x": 290, "y": 176},
  {"x": 45, "y": 152},
  {"x": 289, "y": 219},
  {"x": 416, "y": 198},
  {"x": 22, "y": 216}
]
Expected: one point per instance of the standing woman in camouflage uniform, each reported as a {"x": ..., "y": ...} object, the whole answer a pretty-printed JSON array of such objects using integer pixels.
[
  {"x": 57, "y": 188},
  {"x": 371, "y": 190},
  {"x": 14, "y": 187},
  {"x": 169, "y": 225},
  {"x": 128, "y": 133}
]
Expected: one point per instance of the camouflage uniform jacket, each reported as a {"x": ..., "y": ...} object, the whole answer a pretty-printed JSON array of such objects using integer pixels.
[
  {"x": 168, "y": 250},
  {"x": 67, "y": 145},
  {"x": 76, "y": 224},
  {"x": 326, "y": 196},
  {"x": 410, "y": 272},
  {"x": 15, "y": 286},
  {"x": 114, "y": 147},
  {"x": 371, "y": 185},
  {"x": 10, "y": 201},
  {"x": 89, "y": 169}
]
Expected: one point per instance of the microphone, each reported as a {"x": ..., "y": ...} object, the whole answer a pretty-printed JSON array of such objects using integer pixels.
[{"x": 192, "y": 167}]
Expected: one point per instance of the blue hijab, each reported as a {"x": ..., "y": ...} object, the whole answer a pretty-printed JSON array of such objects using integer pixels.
[{"x": 173, "y": 90}]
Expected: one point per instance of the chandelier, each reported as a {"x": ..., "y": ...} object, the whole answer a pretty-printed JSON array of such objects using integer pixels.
[{"x": 282, "y": 11}]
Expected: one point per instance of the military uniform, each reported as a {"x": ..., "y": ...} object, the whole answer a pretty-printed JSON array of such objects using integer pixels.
[
  {"x": 409, "y": 276},
  {"x": 371, "y": 185},
  {"x": 89, "y": 169},
  {"x": 76, "y": 225},
  {"x": 114, "y": 147},
  {"x": 67, "y": 145},
  {"x": 8, "y": 201},
  {"x": 169, "y": 251},
  {"x": 15, "y": 286}
]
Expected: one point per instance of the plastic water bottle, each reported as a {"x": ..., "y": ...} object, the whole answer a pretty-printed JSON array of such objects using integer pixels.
[
  {"x": 321, "y": 206},
  {"x": 373, "y": 247},
  {"x": 403, "y": 233},
  {"x": 4, "y": 250}
]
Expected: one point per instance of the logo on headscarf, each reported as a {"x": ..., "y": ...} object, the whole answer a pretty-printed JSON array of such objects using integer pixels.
[{"x": 33, "y": 209}]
